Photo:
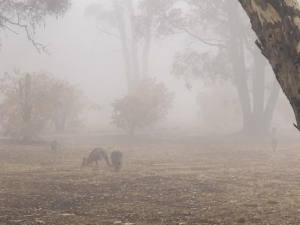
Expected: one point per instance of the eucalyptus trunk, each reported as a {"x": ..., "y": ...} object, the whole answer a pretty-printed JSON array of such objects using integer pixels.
[
  {"x": 238, "y": 63},
  {"x": 27, "y": 109},
  {"x": 146, "y": 50},
  {"x": 125, "y": 47},
  {"x": 134, "y": 43},
  {"x": 277, "y": 26}
]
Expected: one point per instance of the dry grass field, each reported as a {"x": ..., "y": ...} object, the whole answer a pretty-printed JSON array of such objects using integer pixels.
[{"x": 163, "y": 182}]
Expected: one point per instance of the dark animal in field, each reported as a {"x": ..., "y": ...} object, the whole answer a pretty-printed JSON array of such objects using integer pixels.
[
  {"x": 96, "y": 155},
  {"x": 116, "y": 160},
  {"x": 274, "y": 139},
  {"x": 54, "y": 145}
]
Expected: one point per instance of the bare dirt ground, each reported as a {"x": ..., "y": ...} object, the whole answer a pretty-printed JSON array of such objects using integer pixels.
[{"x": 167, "y": 182}]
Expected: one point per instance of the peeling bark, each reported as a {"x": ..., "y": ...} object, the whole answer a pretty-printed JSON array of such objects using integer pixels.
[{"x": 277, "y": 26}]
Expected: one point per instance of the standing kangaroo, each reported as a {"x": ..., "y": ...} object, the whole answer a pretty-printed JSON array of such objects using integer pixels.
[
  {"x": 94, "y": 156},
  {"x": 54, "y": 145},
  {"x": 116, "y": 160},
  {"x": 274, "y": 139}
]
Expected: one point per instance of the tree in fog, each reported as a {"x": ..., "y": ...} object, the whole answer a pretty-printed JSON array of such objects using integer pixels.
[
  {"x": 222, "y": 26},
  {"x": 29, "y": 101},
  {"x": 131, "y": 26},
  {"x": 276, "y": 24},
  {"x": 26, "y": 15},
  {"x": 72, "y": 104},
  {"x": 145, "y": 106},
  {"x": 225, "y": 101}
]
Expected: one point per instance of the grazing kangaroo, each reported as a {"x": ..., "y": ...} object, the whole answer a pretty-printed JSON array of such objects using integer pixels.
[
  {"x": 54, "y": 145},
  {"x": 274, "y": 139},
  {"x": 116, "y": 160},
  {"x": 94, "y": 156}
]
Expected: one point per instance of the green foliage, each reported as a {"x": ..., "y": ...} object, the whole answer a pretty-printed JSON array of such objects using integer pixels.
[{"x": 147, "y": 105}]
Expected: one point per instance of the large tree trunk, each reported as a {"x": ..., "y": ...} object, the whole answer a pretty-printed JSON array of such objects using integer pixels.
[
  {"x": 146, "y": 50},
  {"x": 27, "y": 109},
  {"x": 276, "y": 24},
  {"x": 238, "y": 62},
  {"x": 126, "y": 51},
  {"x": 259, "y": 75},
  {"x": 134, "y": 43},
  {"x": 258, "y": 87},
  {"x": 146, "y": 54}
]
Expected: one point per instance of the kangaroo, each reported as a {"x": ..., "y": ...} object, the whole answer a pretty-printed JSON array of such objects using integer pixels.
[
  {"x": 116, "y": 160},
  {"x": 274, "y": 139},
  {"x": 54, "y": 145},
  {"x": 94, "y": 156}
]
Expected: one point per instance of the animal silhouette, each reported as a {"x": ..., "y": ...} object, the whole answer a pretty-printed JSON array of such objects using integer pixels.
[
  {"x": 96, "y": 155},
  {"x": 116, "y": 160},
  {"x": 54, "y": 145}
]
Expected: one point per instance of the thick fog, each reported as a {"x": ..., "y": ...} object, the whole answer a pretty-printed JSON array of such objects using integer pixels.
[
  {"x": 80, "y": 54},
  {"x": 88, "y": 136}
]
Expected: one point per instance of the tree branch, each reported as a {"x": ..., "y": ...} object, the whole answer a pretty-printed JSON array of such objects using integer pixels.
[
  {"x": 29, "y": 14},
  {"x": 108, "y": 33}
]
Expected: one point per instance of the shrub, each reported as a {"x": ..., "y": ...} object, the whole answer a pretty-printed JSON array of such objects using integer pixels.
[{"x": 145, "y": 106}]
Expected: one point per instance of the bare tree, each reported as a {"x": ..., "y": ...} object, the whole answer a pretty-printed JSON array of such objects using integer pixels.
[
  {"x": 224, "y": 27},
  {"x": 131, "y": 24}
]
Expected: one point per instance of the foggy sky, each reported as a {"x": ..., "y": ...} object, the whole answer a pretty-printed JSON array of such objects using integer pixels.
[{"x": 97, "y": 64}]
